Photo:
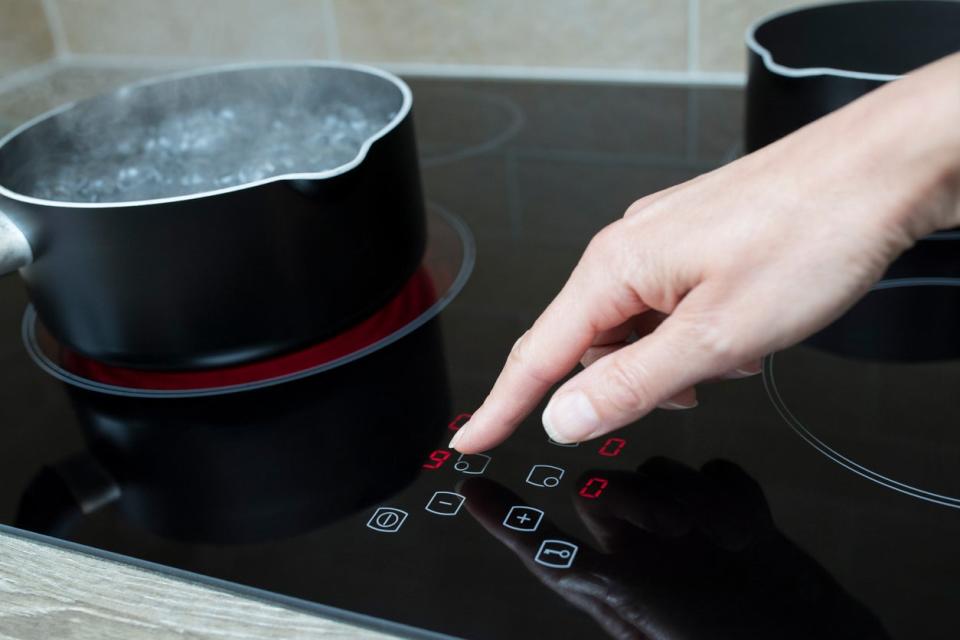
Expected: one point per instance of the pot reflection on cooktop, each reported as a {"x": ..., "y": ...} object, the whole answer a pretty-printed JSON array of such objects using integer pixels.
[
  {"x": 251, "y": 467},
  {"x": 875, "y": 391}
]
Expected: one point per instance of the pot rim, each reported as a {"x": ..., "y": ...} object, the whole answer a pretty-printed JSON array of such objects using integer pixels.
[
  {"x": 237, "y": 66},
  {"x": 806, "y": 72}
]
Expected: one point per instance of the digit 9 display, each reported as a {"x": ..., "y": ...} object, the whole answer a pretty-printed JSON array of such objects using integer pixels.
[{"x": 436, "y": 459}]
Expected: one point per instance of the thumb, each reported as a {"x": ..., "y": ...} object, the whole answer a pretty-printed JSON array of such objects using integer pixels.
[{"x": 626, "y": 385}]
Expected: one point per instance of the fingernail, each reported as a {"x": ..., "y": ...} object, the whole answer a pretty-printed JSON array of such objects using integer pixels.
[
  {"x": 570, "y": 416},
  {"x": 674, "y": 405},
  {"x": 457, "y": 435},
  {"x": 738, "y": 374}
]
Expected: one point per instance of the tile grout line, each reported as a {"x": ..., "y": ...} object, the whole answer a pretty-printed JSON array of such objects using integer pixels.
[
  {"x": 570, "y": 74},
  {"x": 691, "y": 123},
  {"x": 331, "y": 30},
  {"x": 29, "y": 74},
  {"x": 61, "y": 48},
  {"x": 693, "y": 36}
]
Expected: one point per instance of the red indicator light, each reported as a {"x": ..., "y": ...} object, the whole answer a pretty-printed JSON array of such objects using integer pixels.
[
  {"x": 437, "y": 458},
  {"x": 593, "y": 487},
  {"x": 612, "y": 447},
  {"x": 459, "y": 421}
]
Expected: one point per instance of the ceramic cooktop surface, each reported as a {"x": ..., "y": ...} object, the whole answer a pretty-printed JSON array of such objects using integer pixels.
[{"x": 815, "y": 501}]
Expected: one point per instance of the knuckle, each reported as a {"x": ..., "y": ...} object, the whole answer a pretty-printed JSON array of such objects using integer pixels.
[
  {"x": 626, "y": 387},
  {"x": 607, "y": 240},
  {"x": 716, "y": 340},
  {"x": 635, "y": 207},
  {"x": 522, "y": 359},
  {"x": 607, "y": 250}
]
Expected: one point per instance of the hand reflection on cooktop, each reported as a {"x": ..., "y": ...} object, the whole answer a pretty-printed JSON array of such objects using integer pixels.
[{"x": 682, "y": 553}]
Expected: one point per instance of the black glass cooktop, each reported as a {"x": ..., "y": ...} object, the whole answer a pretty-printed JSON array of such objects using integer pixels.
[{"x": 815, "y": 501}]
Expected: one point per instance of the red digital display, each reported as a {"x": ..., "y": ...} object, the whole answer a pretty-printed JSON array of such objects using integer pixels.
[
  {"x": 437, "y": 458},
  {"x": 593, "y": 487},
  {"x": 612, "y": 447},
  {"x": 459, "y": 421}
]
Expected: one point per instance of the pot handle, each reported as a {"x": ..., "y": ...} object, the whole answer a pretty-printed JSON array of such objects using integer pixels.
[
  {"x": 15, "y": 251},
  {"x": 62, "y": 493}
]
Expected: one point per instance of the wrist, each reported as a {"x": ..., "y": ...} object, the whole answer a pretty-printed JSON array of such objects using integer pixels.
[{"x": 920, "y": 146}]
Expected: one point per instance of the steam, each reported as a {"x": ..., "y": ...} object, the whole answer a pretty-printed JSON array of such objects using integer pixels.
[{"x": 200, "y": 133}]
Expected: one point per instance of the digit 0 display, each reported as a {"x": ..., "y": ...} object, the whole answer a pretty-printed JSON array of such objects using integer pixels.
[
  {"x": 593, "y": 487},
  {"x": 437, "y": 458},
  {"x": 612, "y": 447},
  {"x": 459, "y": 421}
]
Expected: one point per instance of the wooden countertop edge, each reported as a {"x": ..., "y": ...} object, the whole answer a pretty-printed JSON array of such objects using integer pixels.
[{"x": 47, "y": 593}]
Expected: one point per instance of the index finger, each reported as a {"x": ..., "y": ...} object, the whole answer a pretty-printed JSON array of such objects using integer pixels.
[{"x": 590, "y": 302}]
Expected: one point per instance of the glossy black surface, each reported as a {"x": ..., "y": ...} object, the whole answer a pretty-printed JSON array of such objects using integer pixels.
[{"x": 716, "y": 522}]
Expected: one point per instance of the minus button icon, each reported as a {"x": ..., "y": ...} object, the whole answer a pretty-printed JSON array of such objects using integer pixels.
[{"x": 445, "y": 503}]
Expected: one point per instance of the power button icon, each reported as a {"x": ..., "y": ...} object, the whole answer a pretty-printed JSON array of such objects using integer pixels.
[{"x": 387, "y": 520}]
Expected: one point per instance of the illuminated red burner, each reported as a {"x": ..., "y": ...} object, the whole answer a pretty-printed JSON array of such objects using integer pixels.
[{"x": 415, "y": 297}]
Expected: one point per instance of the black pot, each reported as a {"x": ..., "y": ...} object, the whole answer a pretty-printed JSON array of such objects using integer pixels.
[
  {"x": 218, "y": 277},
  {"x": 805, "y": 63}
]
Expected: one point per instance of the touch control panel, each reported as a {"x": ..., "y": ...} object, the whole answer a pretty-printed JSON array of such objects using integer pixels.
[{"x": 556, "y": 473}]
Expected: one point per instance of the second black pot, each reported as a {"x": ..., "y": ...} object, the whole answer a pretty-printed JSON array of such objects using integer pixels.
[{"x": 805, "y": 63}]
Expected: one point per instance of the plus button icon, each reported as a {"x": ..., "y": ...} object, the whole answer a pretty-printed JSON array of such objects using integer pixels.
[{"x": 523, "y": 518}]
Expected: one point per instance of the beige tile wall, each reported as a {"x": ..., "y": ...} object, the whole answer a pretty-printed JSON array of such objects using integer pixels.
[
  {"x": 702, "y": 37},
  {"x": 722, "y": 25},
  {"x": 24, "y": 36},
  {"x": 200, "y": 28},
  {"x": 643, "y": 34}
]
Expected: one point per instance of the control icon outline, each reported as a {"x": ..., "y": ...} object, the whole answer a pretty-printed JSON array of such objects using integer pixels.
[
  {"x": 545, "y": 475},
  {"x": 387, "y": 520},
  {"x": 473, "y": 464},
  {"x": 556, "y": 554},
  {"x": 448, "y": 503},
  {"x": 525, "y": 514}
]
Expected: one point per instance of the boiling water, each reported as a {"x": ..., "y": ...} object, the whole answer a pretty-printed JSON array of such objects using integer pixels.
[{"x": 204, "y": 150}]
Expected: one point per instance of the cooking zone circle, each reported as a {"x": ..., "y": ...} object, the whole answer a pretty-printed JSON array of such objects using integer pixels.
[
  {"x": 867, "y": 391},
  {"x": 456, "y": 124},
  {"x": 445, "y": 269}
]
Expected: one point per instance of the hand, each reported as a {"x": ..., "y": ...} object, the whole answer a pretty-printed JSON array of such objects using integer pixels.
[
  {"x": 683, "y": 554},
  {"x": 702, "y": 280}
]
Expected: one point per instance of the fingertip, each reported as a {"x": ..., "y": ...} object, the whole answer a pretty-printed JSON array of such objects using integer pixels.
[
  {"x": 457, "y": 437},
  {"x": 478, "y": 434}
]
